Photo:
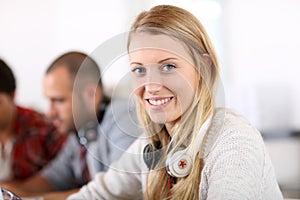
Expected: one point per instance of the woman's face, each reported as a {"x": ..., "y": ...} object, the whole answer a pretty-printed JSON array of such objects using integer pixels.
[{"x": 164, "y": 78}]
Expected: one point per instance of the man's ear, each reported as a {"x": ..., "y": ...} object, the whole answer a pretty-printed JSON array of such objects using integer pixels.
[
  {"x": 92, "y": 95},
  {"x": 12, "y": 95}
]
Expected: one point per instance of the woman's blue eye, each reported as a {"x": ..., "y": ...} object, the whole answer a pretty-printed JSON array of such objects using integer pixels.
[
  {"x": 139, "y": 70},
  {"x": 168, "y": 67}
]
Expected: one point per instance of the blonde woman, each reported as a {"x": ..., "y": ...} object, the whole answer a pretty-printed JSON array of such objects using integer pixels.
[{"x": 193, "y": 149}]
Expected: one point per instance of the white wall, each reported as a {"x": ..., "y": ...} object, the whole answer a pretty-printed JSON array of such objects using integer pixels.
[
  {"x": 261, "y": 49},
  {"x": 262, "y": 66},
  {"x": 33, "y": 33}
]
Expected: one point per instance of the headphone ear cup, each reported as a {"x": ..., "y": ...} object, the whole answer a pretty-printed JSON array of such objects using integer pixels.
[
  {"x": 151, "y": 155},
  {"x": 148, "y": 156},
  {"x": 179, "y": 164}
]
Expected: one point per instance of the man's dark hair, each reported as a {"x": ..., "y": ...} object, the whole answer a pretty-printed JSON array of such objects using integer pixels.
[
  {"x": 78, "y": 62},
  {"x": 7, "y": 78}
]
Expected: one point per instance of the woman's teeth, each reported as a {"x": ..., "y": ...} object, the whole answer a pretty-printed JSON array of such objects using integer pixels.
[{"x": 159, "y": 102}]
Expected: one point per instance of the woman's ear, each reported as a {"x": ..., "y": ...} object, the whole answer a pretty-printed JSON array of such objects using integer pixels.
[
  {"x": 206, "y": 70},
  {"x": 207, "y": 60}
]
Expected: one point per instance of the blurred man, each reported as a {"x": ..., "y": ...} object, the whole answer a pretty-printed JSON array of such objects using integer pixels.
[
  {"x": 78, "y": 105},
  {"x": 27, "y": 140}
]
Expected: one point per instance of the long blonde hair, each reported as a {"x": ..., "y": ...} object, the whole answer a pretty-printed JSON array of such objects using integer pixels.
[{"x": 186, "y": 28}]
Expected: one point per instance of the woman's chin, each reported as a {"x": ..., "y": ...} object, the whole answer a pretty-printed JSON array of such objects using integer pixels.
[{"x": 158, "y": 119}]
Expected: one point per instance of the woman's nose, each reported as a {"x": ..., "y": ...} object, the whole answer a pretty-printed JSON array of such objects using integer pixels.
[
  {"x": 153, "y": 82},
  {"x": 153, "y": 87}
]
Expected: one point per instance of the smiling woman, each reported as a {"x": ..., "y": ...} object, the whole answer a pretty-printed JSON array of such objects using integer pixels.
[
  {"x": 164, "y": 82},
  {"x": 193, "y": 149}
]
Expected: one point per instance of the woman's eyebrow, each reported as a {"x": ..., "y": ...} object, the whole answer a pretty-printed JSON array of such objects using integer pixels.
[
  {"x": 166, "y": 59},
  {"x": 161, "y": 61},
  {"x": 135, "y": 63}
]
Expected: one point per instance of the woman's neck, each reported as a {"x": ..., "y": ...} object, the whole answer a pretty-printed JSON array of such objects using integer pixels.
[{"x": 169, "y": 127}]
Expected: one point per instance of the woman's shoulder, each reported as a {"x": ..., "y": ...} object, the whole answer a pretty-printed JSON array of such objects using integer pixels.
[
  {"x": 227, "y": 122},
  {"x": 235, "y": 152},
  {"x": 229, "y": 130},
  {"x": 230, "y": 119}
]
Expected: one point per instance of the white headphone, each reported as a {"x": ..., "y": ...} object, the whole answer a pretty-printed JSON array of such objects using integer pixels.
[{"x": 181, "y": 162}]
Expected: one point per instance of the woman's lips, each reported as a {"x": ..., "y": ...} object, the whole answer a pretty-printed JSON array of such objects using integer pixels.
[{"x": 158, "y": 103}]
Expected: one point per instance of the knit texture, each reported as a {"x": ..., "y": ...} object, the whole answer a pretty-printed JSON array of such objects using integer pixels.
[{"x": 237, "y": 164}]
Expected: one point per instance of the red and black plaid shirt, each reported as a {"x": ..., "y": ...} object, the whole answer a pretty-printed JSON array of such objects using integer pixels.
[{"x": 36, "y": 142}]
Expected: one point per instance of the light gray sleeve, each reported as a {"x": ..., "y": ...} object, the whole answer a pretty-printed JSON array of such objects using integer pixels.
[
  {"x": 60, "y": 172},
  {"x": 125, "y": 128},
  {"x": 118, "y": 130},
  {"x": 119, "y": 138}
]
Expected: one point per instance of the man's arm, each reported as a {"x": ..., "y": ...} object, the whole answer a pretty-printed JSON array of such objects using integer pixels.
[
  {"x": 29, "y": 186},
  {"x": 57, "y": 175},
  {"x": 28, "y": 189}
]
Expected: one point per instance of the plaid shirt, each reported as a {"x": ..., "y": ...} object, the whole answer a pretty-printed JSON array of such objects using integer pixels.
[{"x": 36, "y": 142}]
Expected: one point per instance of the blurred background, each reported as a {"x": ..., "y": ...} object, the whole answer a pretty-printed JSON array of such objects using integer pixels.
[{"x": 257, "y": 42}]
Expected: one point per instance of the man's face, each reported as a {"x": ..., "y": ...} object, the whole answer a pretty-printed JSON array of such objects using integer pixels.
[{"x": 58, "y": 88}]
